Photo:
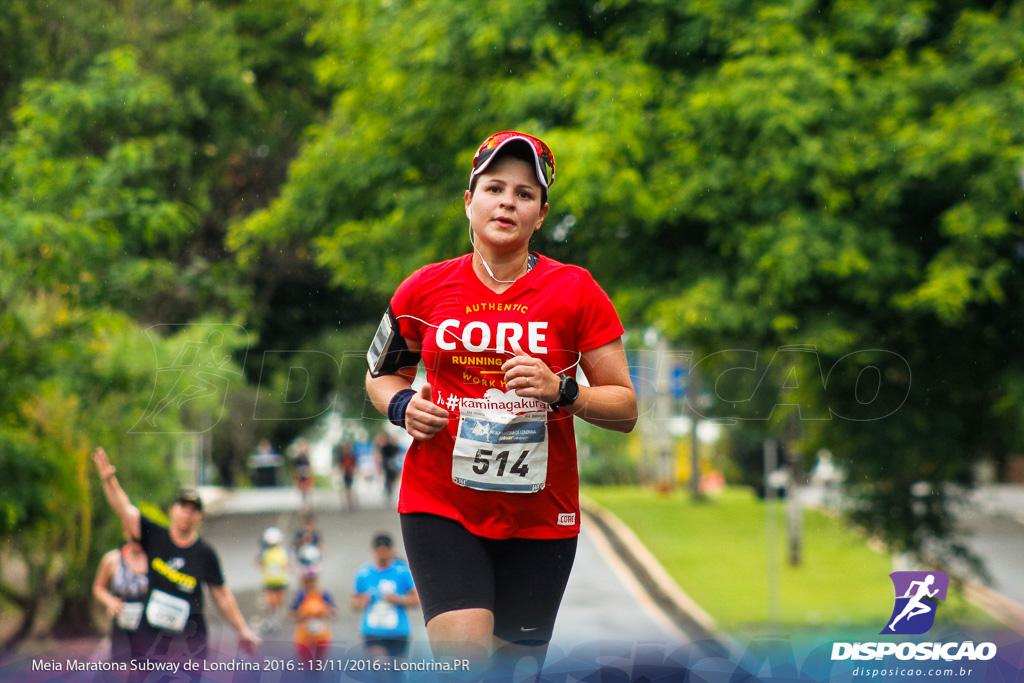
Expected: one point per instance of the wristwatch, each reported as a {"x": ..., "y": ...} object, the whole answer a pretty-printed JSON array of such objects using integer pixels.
[{"x": 568, "y": 392}]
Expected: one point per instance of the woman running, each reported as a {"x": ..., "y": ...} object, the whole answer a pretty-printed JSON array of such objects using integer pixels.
[
  {"x": 122, "y": 586},
  {"x": 489, "y": 499}
]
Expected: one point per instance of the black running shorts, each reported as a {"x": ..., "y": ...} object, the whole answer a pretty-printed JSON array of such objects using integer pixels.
[
  {"x": 395, "y": 647},
  {"x": 520, "y": 580}
]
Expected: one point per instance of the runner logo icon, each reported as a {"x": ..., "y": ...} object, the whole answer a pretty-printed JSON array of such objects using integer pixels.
[{"x": 917, "y": 594}]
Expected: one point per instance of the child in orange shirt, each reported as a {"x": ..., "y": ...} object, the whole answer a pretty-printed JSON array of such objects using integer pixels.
[{"x": 312, "y": 608}]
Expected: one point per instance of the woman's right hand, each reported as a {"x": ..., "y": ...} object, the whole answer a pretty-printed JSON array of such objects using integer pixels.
[{"x": 423, "y": 417}]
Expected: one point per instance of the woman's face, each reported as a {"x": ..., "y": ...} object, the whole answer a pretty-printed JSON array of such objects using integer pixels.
[{"x": 505, "y": 208}]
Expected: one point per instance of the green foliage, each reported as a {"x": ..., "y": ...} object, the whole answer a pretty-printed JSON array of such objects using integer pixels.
[
  {"x": 840, "y": 177},
  {"x": 126, "y": 144},
  {"x": 604, "y": 457},
  {"x": 844, "y": 176},
  {"x": 27, "y": 483}
]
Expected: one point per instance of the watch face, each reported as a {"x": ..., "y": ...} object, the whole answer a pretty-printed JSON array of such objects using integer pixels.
[{"x": 570, "y": 390}]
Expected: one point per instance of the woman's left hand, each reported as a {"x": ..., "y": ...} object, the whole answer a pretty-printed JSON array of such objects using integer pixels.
[{"x": 530, "y": 377}]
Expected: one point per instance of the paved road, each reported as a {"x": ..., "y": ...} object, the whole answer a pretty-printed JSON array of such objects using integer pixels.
[
  {"x": 603, "y": 603},
  {"x": 604, "y": 607},
  {"x": 994, "y": 530},
  {"x": 991, "y": 522}
]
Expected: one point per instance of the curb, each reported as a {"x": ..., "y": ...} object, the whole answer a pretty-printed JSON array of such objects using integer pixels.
[
  {"x": 1005, "y": 610},
  {"x": 662, "y": 588}
]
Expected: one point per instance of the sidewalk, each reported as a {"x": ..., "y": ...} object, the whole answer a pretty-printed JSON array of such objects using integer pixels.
[
  {"x": 1000, "y": 499},
  {"x": 218, "y": 500},
  {"x": 992, "y": 519}
]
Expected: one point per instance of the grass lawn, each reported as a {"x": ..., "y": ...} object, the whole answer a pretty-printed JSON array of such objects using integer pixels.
[{"x": 717, "y": 553}]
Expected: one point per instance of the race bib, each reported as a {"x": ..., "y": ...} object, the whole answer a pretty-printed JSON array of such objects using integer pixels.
[
  {"x": 167, "y": 612},
  {"x": 130, "y": 615},
  {"x": 383, "y": 615},
  {"x": 315, "y": 627},
  {"x": 496, "y": 450}
]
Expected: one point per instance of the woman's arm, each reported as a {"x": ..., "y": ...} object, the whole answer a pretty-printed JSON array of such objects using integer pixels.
[
  {"x": 101, "y": 584},
  {"x": 423, "y": 417},
  {"x": 609, "y": 402},
  {"x": 382, "y": 389}
]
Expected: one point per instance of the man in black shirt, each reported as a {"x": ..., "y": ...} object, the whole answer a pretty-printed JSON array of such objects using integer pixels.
[
  {"x": 388, "y": 451},
  {"x": 174, "y": 627}
]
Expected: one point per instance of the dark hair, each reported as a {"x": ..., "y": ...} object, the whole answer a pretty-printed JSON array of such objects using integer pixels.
[{"x": 517, "y": 150}]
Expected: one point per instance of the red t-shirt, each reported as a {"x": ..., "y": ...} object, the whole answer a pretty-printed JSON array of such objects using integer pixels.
[{"x": 466, "y": 330}]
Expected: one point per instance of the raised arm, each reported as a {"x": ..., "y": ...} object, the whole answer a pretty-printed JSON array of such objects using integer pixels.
[{"x": 118, "y": 499}]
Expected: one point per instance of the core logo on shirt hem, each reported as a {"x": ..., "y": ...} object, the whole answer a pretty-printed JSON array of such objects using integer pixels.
[{"x": 567, "y": 519}]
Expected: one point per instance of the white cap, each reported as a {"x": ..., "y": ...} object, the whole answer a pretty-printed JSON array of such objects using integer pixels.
[{"x": 273, "y": 536}]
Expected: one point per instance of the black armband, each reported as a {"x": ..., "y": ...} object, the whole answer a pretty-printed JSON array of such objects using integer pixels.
[{"x": 388, "y": 351}]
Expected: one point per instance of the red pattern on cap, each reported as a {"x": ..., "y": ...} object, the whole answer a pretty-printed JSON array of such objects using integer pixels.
[{"x": 542, "y": 153}]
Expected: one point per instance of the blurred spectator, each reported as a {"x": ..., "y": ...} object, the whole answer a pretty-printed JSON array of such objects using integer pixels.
[
  {"x": 308, "y": 534},
  {"x": 265, "y": 464},
  {"x": 304, "y": 475},
  {"x": 345, "y": 463},
  {"x": 827, "y": 478},
  {"x": 387, "y": 450}
]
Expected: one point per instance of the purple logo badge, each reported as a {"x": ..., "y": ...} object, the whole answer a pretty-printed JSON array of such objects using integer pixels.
[{"x": 917, "y": 594}]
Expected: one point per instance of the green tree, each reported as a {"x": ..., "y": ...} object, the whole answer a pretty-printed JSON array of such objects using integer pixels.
[
  {"x": 745, "y": 176},
  {"x": 127, "y": 142}
]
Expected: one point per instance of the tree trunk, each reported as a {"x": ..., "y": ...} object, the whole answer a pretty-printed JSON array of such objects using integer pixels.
[
  {"x": 75, "y": 618},
  {"x": 28, "y": 607}
]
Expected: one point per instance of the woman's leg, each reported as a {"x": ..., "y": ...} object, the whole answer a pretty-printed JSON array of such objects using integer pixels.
[
  {"x": 462, "y": 634},
  {"x": 454, "y": 577},
  {"x": 531, "y": 579}
]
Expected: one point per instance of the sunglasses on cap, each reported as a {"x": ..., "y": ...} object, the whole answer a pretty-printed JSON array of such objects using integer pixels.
[{"x": 544, "y": 160}]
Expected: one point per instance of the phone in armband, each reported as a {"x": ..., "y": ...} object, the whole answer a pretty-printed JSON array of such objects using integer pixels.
[{"x": 388, "y": 352}]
